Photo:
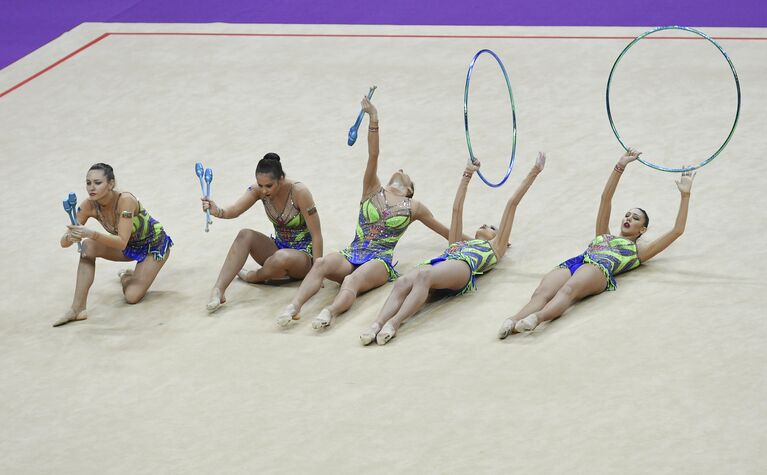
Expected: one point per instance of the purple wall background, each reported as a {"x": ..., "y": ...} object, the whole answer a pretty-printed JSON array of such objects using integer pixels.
[{"x": 25, "y": 25}]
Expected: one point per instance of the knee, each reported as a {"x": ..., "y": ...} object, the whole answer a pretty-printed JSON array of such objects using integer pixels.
[
  {"x": 244, "y": 235},
  {"x": 422, "y": 276},
  {"x": 279, "y": 259},
  {"x": 322, "y": 265},
  {"x": 544, "y": 293},
  {"x": 349, "y": 282},
  {"x": 404, "y": 283},
  {"x": 133, "y": 296},
  {"x": 88, "y": 249},
  {"x": 567, "y": 291}
]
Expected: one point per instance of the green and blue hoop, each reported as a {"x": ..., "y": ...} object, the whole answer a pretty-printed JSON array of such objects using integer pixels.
[
  {"x": 513, "y": 116},
  {"x": 737, "y": 87}
]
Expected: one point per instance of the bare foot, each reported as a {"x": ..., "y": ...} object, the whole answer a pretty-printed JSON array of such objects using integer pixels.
[
  {"x": 125, "y": 273},
  {"x": 527, "y": 324},
  {"x": 288, "y": 314},
  {"x": 216, "y": 300},
  {"x": 387, "y": 333},
  {"x": 71, "y": 316},
  {"x": 370, "y": 335}
]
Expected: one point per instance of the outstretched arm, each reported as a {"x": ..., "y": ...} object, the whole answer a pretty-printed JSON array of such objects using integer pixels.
[
  {"x": 370, "y": 182},
  {"x": 242, "y": 204},
  {"x": 651, "y": 250},
  {"x": 456, "y": 222},
  {"x": 501, "y": 240},
  {"x": 420, "y": 212},
  {"x": 605, "y": 204}
]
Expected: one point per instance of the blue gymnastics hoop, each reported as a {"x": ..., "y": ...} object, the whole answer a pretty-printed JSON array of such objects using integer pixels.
[
  {"x": 513, "y": 116},
  {"x": 737, "y": 87}
]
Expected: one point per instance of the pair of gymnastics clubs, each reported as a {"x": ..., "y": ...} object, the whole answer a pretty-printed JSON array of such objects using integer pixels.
[
  {"x": 70, "y": 206},
  {"x": 356, "y": 126},
  {"x": 206, "y": 176}
]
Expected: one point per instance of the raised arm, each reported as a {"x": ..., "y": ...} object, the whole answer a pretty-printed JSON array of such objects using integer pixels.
[
  {"x": 456, "y": 221},
  {"x": 370, "y": 182},
  {"x": 126, "y": 207},
  {"x": 605, "y": 203},
  {"x": 501, "y": 240},
  {"x": 652, "y": 249},
  {"x": 305, "y": 203},
  {"x": 243, "y": 203}
]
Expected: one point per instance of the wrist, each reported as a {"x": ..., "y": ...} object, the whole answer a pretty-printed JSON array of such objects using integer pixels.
[
  {"x": 619, "y": 167},
  {"x": 685, "y": 194},
  {"x": 467, "y": 174}
]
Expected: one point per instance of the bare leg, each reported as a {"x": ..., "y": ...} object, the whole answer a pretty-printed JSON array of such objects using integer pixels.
[
  {"x": 547, "y": 289},
  {"x": 369, "y": 275},
  {"x": 334, "y": 267},
  {"x": 247, "y": 242},
  {"x": 399, "y": 292},
  {"x": 86, "y": 270},
  {"x": 450, "y": 274},
  {"x": 285, "y": 263},
  {"x": 136, "y": 284},
  {"x": 587, "y": 280}
]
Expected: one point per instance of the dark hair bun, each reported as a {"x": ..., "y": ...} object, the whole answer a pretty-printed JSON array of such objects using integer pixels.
[
  {"x": 271, "y": 164},
  {"x": 272, "y": 156}
]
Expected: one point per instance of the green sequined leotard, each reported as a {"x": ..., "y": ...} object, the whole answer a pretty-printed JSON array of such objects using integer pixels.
[
  {"x": 380, "y": 227},
  {"x": 147, "y": 234},
  {"x": 613, "y": 255},
  {"x": 290, "y": 230},
  {"x": 477, "y": 253}
]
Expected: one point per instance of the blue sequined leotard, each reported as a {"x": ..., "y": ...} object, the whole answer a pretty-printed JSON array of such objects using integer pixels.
[
  {"x": 380, "y": 227},
  {"x": 147, "y": 234},
  {"x": 612, "y": 255},
  {"x": 477, "y": 253},
  {"x": 290, "y": 229}
]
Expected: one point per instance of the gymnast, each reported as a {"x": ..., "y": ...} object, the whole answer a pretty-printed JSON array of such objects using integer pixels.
[
  {"x": 297, "y": 237},
  {"x": 455, "y": 271},
  {"x": 385, "y": 214},
  {"x": 606, "y": 256},
  {"x": 133, "y": 235}
]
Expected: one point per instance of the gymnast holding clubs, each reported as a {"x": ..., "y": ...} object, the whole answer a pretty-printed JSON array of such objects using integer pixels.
[
  {"x": 607, "y": 255},
  {"x": 385, "y": 214},
  {"x": 132, "y": 236},
  {"x": 455, "y": 271},
  {"x": 297, "y": 240}
]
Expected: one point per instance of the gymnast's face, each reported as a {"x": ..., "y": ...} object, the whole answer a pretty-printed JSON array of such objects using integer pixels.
[
  {"x": 633, "y": 224},
  {"x": 268, "y": 184},
  {"x": 486, "y": 232},
  {"x": 97, "y": 185},
  {"x": 402, "y": 179}
]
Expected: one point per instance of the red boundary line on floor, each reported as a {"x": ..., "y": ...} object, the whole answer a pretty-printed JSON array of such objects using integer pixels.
[{"x": 351, "y": 35}]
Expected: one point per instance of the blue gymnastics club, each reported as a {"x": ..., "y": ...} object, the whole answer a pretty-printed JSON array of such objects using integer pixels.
[
  {"x": 208, "y": 179},
  {"x": 199, "y": 169},
  {"x": 353, "y": 129},
  {"x": 70, "y": 206}
]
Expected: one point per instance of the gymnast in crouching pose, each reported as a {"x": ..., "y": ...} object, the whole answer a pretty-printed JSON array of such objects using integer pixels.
[
  {"x": 456, "y": 269},
  {"x": 385, "y": 214},
  {"x": 297, "y": 237},
  {"x": 606, "y": 256},
  {"x": 133, "y": 236}
]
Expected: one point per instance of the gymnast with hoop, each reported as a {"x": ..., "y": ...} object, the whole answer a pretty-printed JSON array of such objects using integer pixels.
[
  {"x": 297, "y": 240},
  {"x": 385, "y": 214},
  {"x": 133, "y": 236},
  {"x": 607, "y": 255},
  {"x": 454, "y": 272}
]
